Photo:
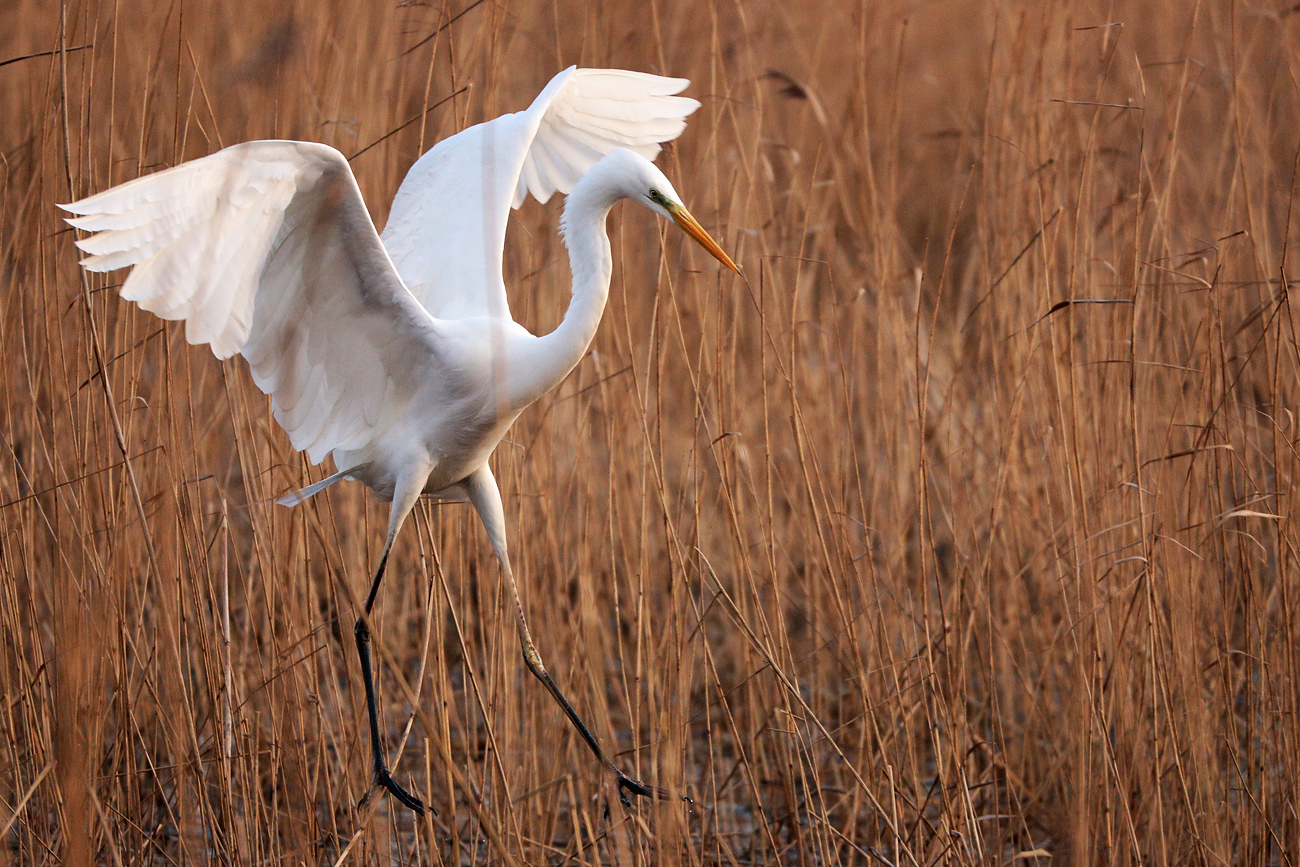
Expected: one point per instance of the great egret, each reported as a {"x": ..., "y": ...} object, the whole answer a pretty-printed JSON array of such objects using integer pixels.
[{"x": 396, "y": 354}]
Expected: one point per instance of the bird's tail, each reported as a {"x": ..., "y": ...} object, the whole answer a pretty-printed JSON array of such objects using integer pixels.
[{"x": 311, "y": 490}]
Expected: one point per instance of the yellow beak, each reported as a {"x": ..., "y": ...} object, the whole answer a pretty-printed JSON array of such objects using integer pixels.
[{"x": 692, "y": 227}]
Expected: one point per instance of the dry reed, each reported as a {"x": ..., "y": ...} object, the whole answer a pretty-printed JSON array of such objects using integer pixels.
[{"x": 960, "y": 534}]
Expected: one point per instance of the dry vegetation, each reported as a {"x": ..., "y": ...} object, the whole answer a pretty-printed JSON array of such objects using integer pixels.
[{"x": 891, "y": 555}]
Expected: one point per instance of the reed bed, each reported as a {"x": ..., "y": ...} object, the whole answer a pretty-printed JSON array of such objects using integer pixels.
[{"x": 961, "y": 532}]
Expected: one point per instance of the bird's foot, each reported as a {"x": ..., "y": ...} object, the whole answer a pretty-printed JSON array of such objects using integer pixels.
[
  {"x": 385, "y": 779},
  {"x": 636, "y": 787}
]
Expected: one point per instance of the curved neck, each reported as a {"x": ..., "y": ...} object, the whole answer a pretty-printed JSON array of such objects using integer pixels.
[{"x": 545, "y": 361}]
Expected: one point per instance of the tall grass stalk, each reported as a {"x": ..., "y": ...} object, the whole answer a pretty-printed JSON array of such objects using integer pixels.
[{"x": 961, "y": 533}]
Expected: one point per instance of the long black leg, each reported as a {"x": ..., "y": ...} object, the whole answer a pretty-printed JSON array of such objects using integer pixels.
[
  {"x": 534, "y": 662},
  {"x": 486, "y": 498},
  {"x": 362, "y": 632}
]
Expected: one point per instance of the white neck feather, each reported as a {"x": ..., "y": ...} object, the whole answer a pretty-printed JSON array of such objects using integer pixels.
[{"x": 545, "y": 361}]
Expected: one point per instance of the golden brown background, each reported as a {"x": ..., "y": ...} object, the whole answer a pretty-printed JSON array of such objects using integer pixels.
[{"x": 961, "y": 533}]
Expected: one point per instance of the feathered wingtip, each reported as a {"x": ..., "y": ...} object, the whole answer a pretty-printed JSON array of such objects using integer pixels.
[{"x": 586, "y": 113}]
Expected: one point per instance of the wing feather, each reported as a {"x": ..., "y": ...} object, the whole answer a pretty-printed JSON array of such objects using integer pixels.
[
  {"x": 266, "y": 249},
  {"x": 446, "y": 230}
]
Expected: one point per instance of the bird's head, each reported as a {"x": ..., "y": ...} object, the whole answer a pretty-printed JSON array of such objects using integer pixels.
[{"x": 641, "y": 181}]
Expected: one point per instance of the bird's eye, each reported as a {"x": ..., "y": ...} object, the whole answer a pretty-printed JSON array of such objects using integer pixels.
[{"x": 656, "y": 196}]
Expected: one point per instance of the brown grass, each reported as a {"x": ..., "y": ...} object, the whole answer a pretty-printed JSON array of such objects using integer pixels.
[{"x": 889, "y": 555}]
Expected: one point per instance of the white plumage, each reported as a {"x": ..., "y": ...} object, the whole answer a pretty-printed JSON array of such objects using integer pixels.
[
  {"x": 266, "y": 249},
  {"x": 451, "y": 259},
  {"x": 266, "y": 225},
  {"x": 397, "y": 354}
]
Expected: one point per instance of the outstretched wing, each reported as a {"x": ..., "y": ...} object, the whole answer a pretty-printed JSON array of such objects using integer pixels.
[
  {"x": 446, "y": 231},
  {"x": 266, "y": 249}
]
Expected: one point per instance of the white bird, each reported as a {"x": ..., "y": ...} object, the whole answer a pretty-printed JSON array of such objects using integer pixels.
[{"x": 396, "y": 355}]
